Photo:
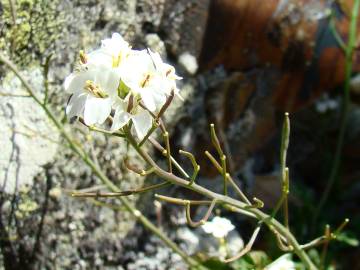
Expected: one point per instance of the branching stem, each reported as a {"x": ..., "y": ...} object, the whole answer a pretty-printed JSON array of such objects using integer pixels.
[
  {"x": 259, "y": 215},
  {"x": 194, "y": 164},
  {"x": 104, "y": 179},
  {"x": 201, "y": 221}
]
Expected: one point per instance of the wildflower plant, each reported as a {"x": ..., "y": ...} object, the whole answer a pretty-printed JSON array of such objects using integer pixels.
[{"x": 123, "y": 92}]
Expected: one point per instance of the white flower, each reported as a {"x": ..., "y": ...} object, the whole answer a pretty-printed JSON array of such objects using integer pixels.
[
  {"x": 92, "y": 94},
  {"x": 95, "y": 82},
  {"x": 141, "y": 119},
  {"x": 112, "y": 53},
  {"x": 146, "y": 75},
  {"x": 117, "y": 78},
  {"x": 219, "y": 227},
  {"x": 282, "y": 263},
  {"x": 115, "y": 46}
]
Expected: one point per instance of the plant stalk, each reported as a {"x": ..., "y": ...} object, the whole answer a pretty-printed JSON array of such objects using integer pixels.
[{"x": 104, "y": 179}]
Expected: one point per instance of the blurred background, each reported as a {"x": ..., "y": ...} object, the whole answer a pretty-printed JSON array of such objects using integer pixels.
[{"x": 244, "y": 64}]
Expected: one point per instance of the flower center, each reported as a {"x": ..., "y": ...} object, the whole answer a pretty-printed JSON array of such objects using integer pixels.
[
  {"x": 116, "y": 60},
  {"x": 145, "y": 81},
  {"x": 95, "y": 89}
]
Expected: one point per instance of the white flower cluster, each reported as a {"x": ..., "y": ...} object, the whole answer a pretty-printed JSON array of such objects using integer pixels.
[
  {"x": 118, "y": 81},
  {"x": 219, "y": 227}
]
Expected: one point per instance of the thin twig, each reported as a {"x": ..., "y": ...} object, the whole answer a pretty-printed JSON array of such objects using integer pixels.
[
  {"x": 258, "y": 203},
  {"x": 229, "y": 178},
  {"x": 285, "y": 139},
  {"x": 215, "y": 141},
  {"x": 284, "y": 193},
  {"x": 118, "y": 194},
  {"x": 341, "y": 227},
  {"x": 180, "y": 201},
  {"x": 282, "y": 246},
  {"x": 166, "y": 105},
  {"x": 154, "y": 126},
  {"x": 314, "y": 243},
  {"x": 174, "y": 162},
  {"x": 201, "y": 221},
  {"x": 232, "y": 203},
  {"x": 224, "y": 173},
  {"x": 168, "y": 153},
  {"x": 3, "y": 94},
  {"x": 100, "y": 130},
  {"x": 194, "y": 164},
  {"x": 248, "y": 246},
  {"x": 327, "y": 235}
]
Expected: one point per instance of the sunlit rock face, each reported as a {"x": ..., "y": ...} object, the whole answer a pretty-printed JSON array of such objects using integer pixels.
[
  {"x": 28, "y": 140},
  {"x": 246, "y": 63},
  {"x": 34, "y": 160}
]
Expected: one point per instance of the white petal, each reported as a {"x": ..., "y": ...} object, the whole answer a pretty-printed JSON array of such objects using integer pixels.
[
  {"x": 68, "y": 81},
  {"x": 142, "y": 123},
  {"x": 156, "y": 58},
  {"x": 76, "y": 81},
  {"x": 76, "y": 104},
  {"x": 101, "y": 78},
  {"x": 148, "y": 99},
  {"x": 121, "y": 118},
  {"x": 96, "y": 110},
  {"x": 219, "y": 233},
  {"x": 208, "y": 227},
  {"x": 159, "y": 98},
  {"x": 112, "y": 83},
  {"x": 99, "y": 59}
]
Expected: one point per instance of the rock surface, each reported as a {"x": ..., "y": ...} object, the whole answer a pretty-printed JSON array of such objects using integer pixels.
[
  {"x": 236, "y": 77},
  {"x": 37, "y": 169}
]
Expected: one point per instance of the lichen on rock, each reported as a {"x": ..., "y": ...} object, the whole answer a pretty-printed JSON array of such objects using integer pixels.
[{"x": 30, "y": 28}]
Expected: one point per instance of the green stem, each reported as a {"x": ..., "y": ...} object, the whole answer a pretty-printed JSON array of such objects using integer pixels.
[
  {"x": 259, "y": 215},
  {"x": 349, "y": 52},
  {"x": 104, "y": 179},
  {"x": 118, "y": 194}
]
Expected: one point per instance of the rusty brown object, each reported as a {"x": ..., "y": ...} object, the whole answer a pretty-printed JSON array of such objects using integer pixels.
[
  {"x": 290, "y": 36},
  {"x": 281, "y": 55}
]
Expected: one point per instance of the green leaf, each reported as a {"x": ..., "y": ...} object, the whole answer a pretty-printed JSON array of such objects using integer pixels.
[
  {"x": 348, "y": 239},
  {"x": 123, "y": 90}
]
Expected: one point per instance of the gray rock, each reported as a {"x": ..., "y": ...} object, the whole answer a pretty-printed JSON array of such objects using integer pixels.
[{"x": 76, "y": 234}]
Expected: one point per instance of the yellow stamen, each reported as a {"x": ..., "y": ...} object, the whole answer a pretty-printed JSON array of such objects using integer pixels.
[
  {"x": 145, "y": 81},
  {"x": 95, "y": 90},
  {"x": 116, "y": 60},
  {"x": 83, "y": 57}
]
